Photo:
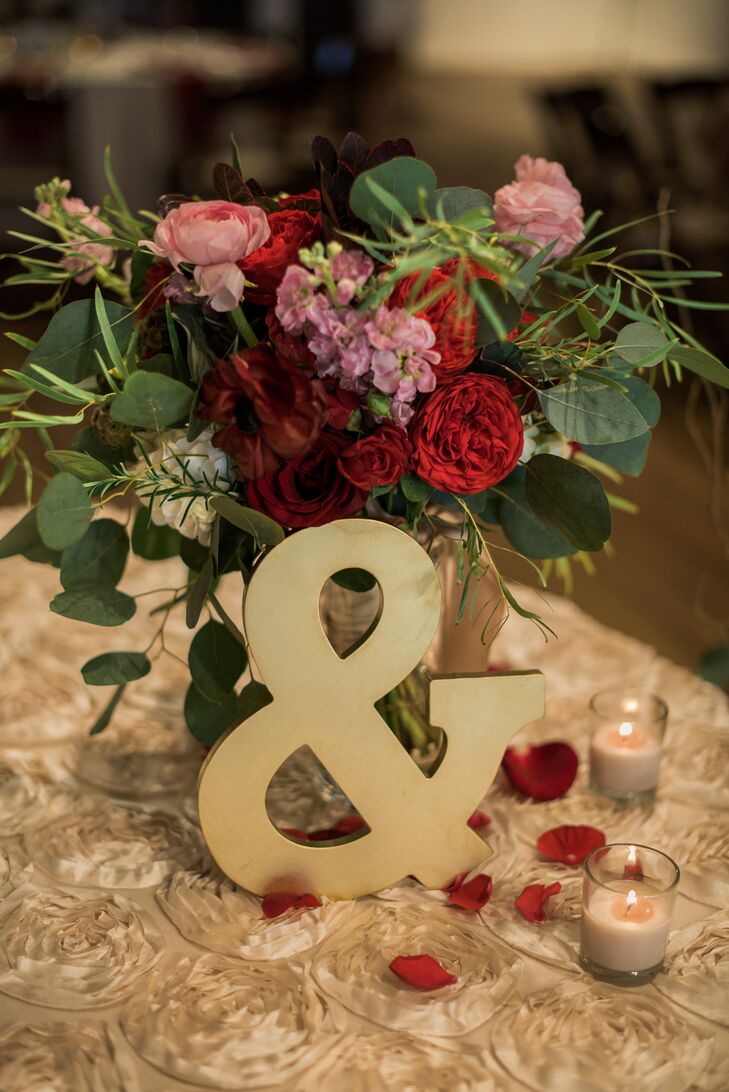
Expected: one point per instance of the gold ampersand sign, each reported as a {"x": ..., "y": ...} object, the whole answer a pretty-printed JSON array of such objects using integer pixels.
[{"x": 416, "y": 822}]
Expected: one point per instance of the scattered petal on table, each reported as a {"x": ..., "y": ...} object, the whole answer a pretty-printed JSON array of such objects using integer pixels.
[
  {"x": 479, "y": 820},
  {"x": 569, "y": 844},
  {"x": 277, "y": 903},
  {"x": 532, "y": 900},
  {"x": 422, "y": 971},
  {"x": 471, "y": 894}
]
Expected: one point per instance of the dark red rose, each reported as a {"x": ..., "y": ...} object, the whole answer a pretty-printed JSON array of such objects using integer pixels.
[
  {"x": 379, "y": 459},
  {"x": 310, "y": 490},
  {"x": 467, "y": 435},
  {"x": 295, "y": 199},
  {"x": 452, "y": 316},
  {"x": 293, "y": 348},
  {"x": 544, "y": 771},
  {"x": 291, "y": 229},
  {"x": 270, "y": 409},
  {"x": 342, "y": 404},
  {"x": 157, "y": 276}
]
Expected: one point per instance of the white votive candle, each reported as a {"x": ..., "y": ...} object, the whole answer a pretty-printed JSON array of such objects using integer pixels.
[
  {"x": 624, "y": 758},
  {"x": 628, "y": 896},
  {"x": 626, "y": 929}
]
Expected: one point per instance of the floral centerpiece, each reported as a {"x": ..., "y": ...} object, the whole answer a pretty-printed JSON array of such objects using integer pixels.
[{"x": 378, "y": 346}]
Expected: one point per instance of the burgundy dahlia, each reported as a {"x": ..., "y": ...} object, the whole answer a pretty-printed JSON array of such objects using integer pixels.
[{"x": 270, "y": 410}]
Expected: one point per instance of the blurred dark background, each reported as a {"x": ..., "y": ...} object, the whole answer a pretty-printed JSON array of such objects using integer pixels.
[{"x": 631, "y": 95}]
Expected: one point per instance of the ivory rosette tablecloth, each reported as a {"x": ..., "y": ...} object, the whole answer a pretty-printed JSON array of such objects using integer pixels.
[{"x": 128, "y": 962}]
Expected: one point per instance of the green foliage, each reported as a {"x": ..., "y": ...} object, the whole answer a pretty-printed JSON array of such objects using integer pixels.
[
  {"x": 591, "y": 413},
  {"x": 115, "y": 668},
  {"x": 451, "y": 202},
  {"x": 198, "y": 594},
  {"x": 99, "y": 605},
  {"x": 415, "y": 489},
  {"x": 98, "y": 558},
  {"x": 641, "y": 344},
  {"x": 151, "y": 542},
  {"x": 68, "y": 346},
  {"x": 498, "y": 311},
  {"x": 208, "y": 720},
  {"x": 104, "y": 719},
  {"x": 570, "y": 498},
  {"x": 262, "y": 528},
  {"x": 217, "y": 660},
  {"x": 701, "y": 363},
  {"x": 84, "y": 467},
  {"x": 151, "y": 400},
  {"x": 24, "y": 539},
  {"x": 629, "y": 456},
  {"x": 64, "y": 512},
  {"x": 87, "y": 441},
  {"x": 356, "y": 580},
  {"x": 526, "y": 532},
  {"x": 391, "y": 193}
]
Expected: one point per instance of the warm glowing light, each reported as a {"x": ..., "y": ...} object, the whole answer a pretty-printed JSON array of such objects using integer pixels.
[
  {"x": 86, "y": 47},
  {"x": 632, "y": 855},
  {"x": 626, "y": 729},
  {"x": 631, "y": 899},
  {"x": 631, "y": 705}
]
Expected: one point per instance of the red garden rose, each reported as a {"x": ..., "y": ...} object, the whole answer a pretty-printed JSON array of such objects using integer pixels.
[
  {"x": 154, "y": 282},
  {"x": 467, "y": 435},
  {"x": 452, "y": 316},
  {"x": 270, "y": 409},
  {"x": 291, "y": 229},
  {"x": 310, "y": 490},
  {"x": 379, "y": 459},
  {"x": 342, "y": 404}
]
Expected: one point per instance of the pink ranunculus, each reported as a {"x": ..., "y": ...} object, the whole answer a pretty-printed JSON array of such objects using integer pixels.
[
  {"x": 211, "y": 235},
  {"x": 542, "y": 205}
]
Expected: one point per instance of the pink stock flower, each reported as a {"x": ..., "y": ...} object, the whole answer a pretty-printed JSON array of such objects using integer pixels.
[
  {"x": 295, "y": 297},
  {"x": 87, "y": 254},
  {"x": 542, "y": 205},
  {"x": 211, "y": 236},
  {"x": 350, "y": 270}
]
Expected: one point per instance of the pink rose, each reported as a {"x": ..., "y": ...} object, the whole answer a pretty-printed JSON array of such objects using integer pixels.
[
  {"x": 212, "y": 236},
  {"x": 542, "y": 205}
]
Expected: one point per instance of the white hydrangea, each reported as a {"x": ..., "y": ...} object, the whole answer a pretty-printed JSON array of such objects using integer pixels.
[
  {"x": 543, "y": 443},
  {"x": 183, "y": 459}
]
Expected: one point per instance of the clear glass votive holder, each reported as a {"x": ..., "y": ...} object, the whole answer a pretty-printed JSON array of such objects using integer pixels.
[
  {"x": 626, "y": 746},
  {"x": 628, "y": 895}
]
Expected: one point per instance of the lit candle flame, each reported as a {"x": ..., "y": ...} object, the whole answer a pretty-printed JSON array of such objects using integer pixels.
[
  {"x": 625, "y": 729},
  {"x": 630, "y": 900},
  {"x": 632, "y": 855},
  {"x": 631, "y": 705}
]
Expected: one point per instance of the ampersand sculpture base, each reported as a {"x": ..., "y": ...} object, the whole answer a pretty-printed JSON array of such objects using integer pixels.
[{"x": 417, "y": 823}]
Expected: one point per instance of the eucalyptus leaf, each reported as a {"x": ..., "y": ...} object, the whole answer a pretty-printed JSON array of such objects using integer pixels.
[
  {"x": 151, "y": 400},
  {"x": 64, "y": 512},
  {"x": 404, "y": 177},
  {"x": 115, "y": 668},
  {"x": 87, "y": 441},
  {"x": 455, "y": 200},
  {"x": 641, "y": 344},
  {"x": 252, "y": 697},
  {"x": 151, "y": 542},
  {"x": 70, "y": 341},
  {"x": 527, "y": 275},
  {"x": 571, "y": 499},
  {"x": 198, "y": 594},
  {"x": 264, "y": 529},
  {"x": 217, "y": 660},
  {"x": 629, "y": 456},
  {"x": 356, "y": 580},
  {"x": 415, "y": 489},
  {"x": 701, "y": 363},
  {"x": 208, "y": 720},
  {"x": 591, "y": 413},
  {"x": 98, "y": 558},
  {"x": 526, "y": 532},
  {"x": 84, "y": 467},
  {"x": 493, "y": 303},
  {"x": 104, "y": 718},
  {"x": 97, "y": 604}
]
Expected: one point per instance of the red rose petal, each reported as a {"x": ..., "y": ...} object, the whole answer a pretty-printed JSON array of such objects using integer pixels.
[
  {"x": 543, "y": 772},
  {"x": 276, "y": 903},
  {"x": 293, "y": 832},
  {"x": 478, "y": 820},
  {"x": 422, "y": 971},
  {"x": 569, "y": 845},
  {"x": 530, "y": 903},
  {"x": 473, "y": 894},
  {"x": 348, "y": 824}
]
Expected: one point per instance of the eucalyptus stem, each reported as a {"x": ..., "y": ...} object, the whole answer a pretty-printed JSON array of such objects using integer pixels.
[{"x": 244, "y": 327}]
